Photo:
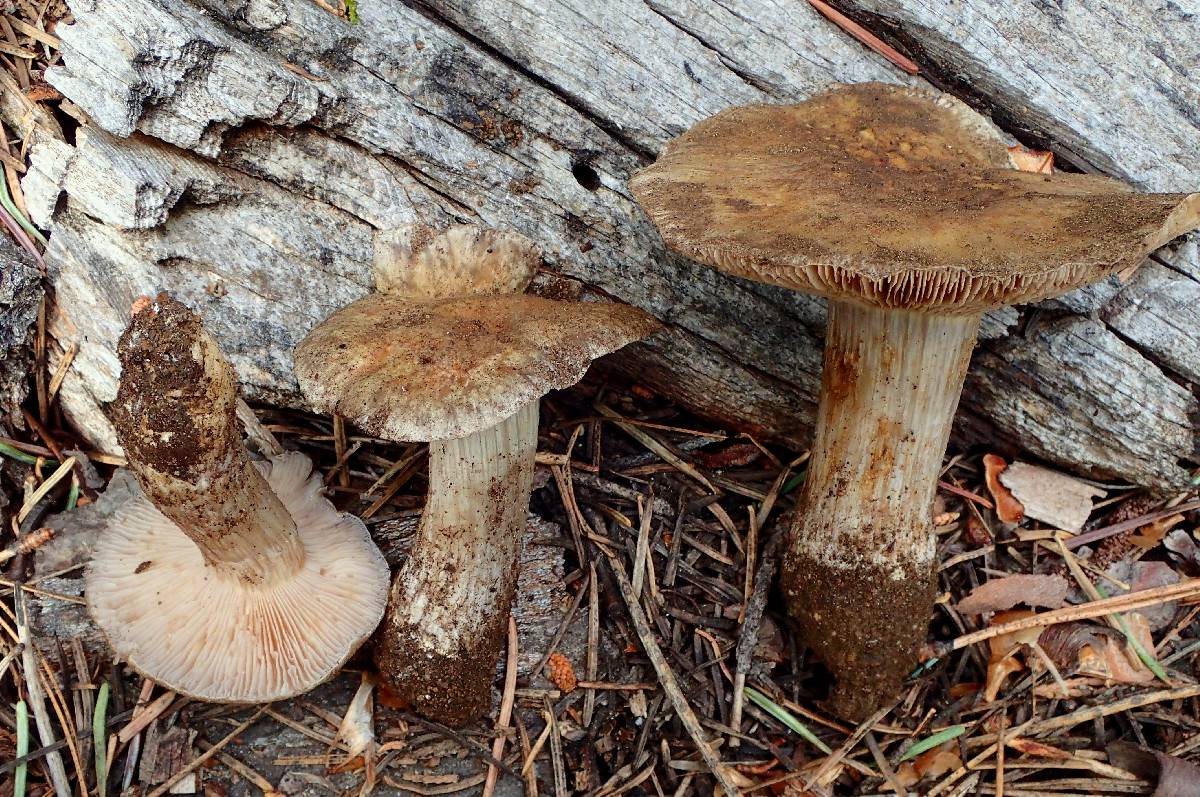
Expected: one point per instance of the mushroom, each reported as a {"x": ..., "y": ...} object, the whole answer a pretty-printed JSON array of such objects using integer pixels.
[
  {"x": 896, "y": 204},
  {"x": 229, "y": 580},
  {"x": 449, "y": 351}
]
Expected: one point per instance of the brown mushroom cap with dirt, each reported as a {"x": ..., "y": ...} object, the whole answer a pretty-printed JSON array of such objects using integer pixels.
[
  {"x": 899, "y": 206},
  {"x": 450, "y": 351},
  {"x": 229, "y": 580}
]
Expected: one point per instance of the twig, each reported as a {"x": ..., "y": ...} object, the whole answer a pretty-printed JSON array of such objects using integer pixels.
[
  {"x": 658, "y": 448},
  {"x": 748, "y": 638},
  {"x": 832, "y": 761},
  {"x": 560, "y": 773},
  {"x": 1121, "y": 603},
  {"x": 37, "y": 699},
  {"x": 472, "y": 747},
  {"x": 506, "y": 706},
  {"x": 592, "y": 661},
  {"x": 267, "y": 443},
  {"x": 1128, "y": 525},
  {"x": 564, "y": 625},
  {"x": 881, "y": 761},
  {"x": 667, "y": 678},
  {"x": 865, "y": 36}
]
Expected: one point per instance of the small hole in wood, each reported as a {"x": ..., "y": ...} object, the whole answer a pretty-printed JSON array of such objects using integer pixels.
[{"x": 585, "y": 175}]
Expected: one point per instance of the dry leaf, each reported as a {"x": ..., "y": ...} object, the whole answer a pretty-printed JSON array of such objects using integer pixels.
[
  {"x": 357, "y": 730},
  {"x": 1151, "y": 534},
  {"x": 1173, "y": 776},
  {"x": 977, "y": 534},
  {"x": 735, "y": 777},
  {"x": 638, "y": 705},
  {"x": 1182, "y": 545},
  {"x": 931, "y": 764},
  {"x": 1098, "y": 651},
  {"x": 1149, "y": 575},
  {"x": 1142, "y": 575},
  {"x": 1031, "y": 160},
  {"x": 1057, "y": 499},
  {"x": 1049, "y": 591},
  {"x": 1008, "y": 508},
  {"x": 1002, "y": 660},
  {"x": 732, "y": 456},
  {"x": 562, "y": 674},
  {"x": 1030, "y": 747}
]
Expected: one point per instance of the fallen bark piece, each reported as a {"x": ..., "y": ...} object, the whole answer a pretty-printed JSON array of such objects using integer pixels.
[
  {"x": 1062, "y": 501},
  {"x": 20, "y": 293},
  {"x": 1008, "y": 508},
  {"x": 1047, "y": 591}
]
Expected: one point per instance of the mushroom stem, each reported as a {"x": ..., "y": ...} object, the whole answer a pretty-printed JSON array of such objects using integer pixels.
[
  {"x": 449, "y": 605},
  {"x": 176, "y": 417},
  {"x": 859, "y": 569}
]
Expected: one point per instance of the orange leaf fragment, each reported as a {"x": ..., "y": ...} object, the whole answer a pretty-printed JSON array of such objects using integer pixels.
[
  {"x": 562, "y": 674},
  {"x": 1024, "y": 159},
  {"x": 140, "y": 304},
  {"x": 1030, "y": 747},
  {"x": 1046, "y": 590},
  {"x": 1008, "y": 508}
]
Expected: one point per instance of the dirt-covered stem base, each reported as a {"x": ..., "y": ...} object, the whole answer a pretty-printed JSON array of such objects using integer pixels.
[
  {"x": 859, "y": 568},
  {"x": 450, "y": 602},
  {"x": 176, "y": 417}
]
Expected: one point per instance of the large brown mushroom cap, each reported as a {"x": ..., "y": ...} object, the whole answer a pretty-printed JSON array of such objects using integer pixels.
[
  {"x": 894, "y": 197},
  {"x": 408, "y": 369},
  {"x": 215, "y": 637}
]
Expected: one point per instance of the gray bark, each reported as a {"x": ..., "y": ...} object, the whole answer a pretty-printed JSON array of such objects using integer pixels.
[
  {"x": 241, "y": 152},
  {"x": 20, "y": 294}
]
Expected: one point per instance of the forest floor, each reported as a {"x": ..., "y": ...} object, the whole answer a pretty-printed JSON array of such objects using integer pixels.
[
  {"x": 1054, "y": 662},
  {"x": 1038, "y": 710}
]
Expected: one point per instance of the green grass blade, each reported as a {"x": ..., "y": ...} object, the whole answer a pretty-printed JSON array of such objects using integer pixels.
[
  {"x": 352, "y": 11},
  {"x": 22, "y": 748},
  {"x": 930, "y": 742},
  {"x": 100, "y": 740},
  {"x": 19, "y": 456},
  {"x": 793, "y": 482},
  {"x": 73, "y": 496},
  {"x": 783, "y": 715},
  {"x": 1146, "y": 656},
  {"x": 10, "y": 206}
]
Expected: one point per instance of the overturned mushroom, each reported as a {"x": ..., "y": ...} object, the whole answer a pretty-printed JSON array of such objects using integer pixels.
[
  {"x": 451, "y": 352},
  {"x": 231, "y": 580},
  {"x": 897, "y": 205}
]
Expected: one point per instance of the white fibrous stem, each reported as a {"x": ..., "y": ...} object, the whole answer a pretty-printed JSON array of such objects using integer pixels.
[
  {"x": 450, "y": 602},
  {"x": 175, "y": 414},
  {"x": 858, "y": 572}
]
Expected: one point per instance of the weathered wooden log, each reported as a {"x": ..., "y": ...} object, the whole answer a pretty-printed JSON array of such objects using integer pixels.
[{"x": 242, "y": 151}]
